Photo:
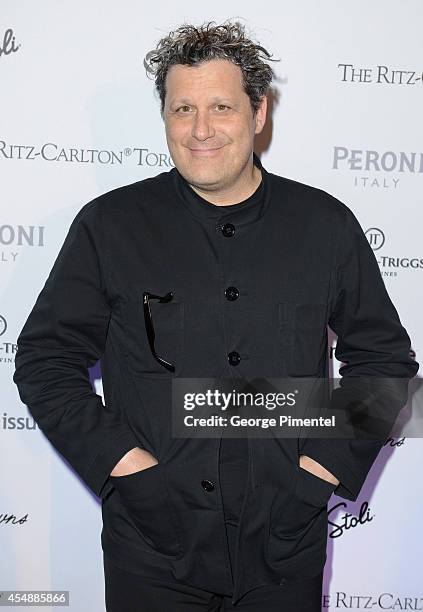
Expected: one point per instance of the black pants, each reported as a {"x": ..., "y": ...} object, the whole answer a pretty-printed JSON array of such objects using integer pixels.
[{"x": 129, "y": 592}]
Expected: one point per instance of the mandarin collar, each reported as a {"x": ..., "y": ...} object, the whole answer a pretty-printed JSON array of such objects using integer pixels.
[{"x": 242, "y": 213}]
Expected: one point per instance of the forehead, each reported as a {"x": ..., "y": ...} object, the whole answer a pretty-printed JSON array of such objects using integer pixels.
[{"x": 213, "y": 77}]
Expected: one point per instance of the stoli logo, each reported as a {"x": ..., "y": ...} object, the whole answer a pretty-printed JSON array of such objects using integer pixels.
[{"x": 8, "y": 44}]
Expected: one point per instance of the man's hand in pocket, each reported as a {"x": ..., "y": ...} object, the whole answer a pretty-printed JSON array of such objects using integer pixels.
[
  {"x": 309, "y": 464},
  {"x": 135, "y": 460}
]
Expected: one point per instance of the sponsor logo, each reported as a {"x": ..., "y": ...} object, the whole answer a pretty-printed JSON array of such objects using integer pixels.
[
  {"x": 395, "y": 442},
  {"x": 12, "y": 519},
  {"x": 379, "y": 601},
  {"x": 375, "y": 237},
  {"x": 384, "y": 169},
  {"x": 16, "y": 236},
  {"x": 390, "y": 264},
  {"x": 8, "y": 43},
  {"x": 379, "y": 75},
  {"x": 9, "y": 421},
  {"x": 19, "y": 235},
  {"x": 347, "y": 520},
  {"x": 7, "y": 348},
  {"x": 53, "y": 152}
]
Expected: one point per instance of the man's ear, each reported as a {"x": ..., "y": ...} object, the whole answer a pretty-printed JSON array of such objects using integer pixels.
[{"x": 260, "y": 115}]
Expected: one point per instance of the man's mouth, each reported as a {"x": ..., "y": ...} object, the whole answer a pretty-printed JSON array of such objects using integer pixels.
[{"x": 205, "y": 152}]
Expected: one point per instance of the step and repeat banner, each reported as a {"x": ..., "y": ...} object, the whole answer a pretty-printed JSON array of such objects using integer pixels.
[{"x": 78, "y": 117}]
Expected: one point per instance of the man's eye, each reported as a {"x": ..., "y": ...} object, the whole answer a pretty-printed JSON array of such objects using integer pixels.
[
  {"x": 184, "y": 107},
  {"x": 222, "y": 106}
]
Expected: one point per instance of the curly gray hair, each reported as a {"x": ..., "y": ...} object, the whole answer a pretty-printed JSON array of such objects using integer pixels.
[{"x": 193, "y": 45}]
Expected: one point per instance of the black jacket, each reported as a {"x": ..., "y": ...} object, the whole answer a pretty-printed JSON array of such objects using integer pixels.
[{"x": 299, "y": 261}]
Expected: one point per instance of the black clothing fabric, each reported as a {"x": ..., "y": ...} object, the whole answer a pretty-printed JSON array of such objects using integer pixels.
[
  {"x": 129, "y": 592},
  {"x": 233, "y": 451},
  {"x": 300, "y": 262},
  {"x": 233, "y": 476}
]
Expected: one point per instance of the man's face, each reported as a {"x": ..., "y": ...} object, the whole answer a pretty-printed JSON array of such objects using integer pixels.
[{"x": 209, "y": 123}]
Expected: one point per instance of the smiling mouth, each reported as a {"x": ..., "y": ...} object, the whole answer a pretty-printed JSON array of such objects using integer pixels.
[{"x": 205, "y": 151}]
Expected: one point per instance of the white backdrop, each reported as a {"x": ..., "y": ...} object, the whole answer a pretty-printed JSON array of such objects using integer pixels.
[{"x": 347, "y": 120}]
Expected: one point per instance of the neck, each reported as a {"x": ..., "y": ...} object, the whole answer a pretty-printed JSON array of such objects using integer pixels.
[{"x": 236, "y": 193}]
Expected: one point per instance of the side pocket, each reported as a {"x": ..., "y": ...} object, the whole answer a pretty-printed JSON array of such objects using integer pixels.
[
  {"x": 145, "y": 496},
  {"x": 298, "y": 524},
  {"x": 303, "y": 336},
  {"x": 168, "y": 322}
]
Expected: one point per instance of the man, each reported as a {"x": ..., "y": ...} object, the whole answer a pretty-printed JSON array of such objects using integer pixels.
[{"x": 214, "y": 269}]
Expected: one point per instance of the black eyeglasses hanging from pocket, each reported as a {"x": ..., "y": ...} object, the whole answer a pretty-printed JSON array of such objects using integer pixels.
[{"x": 147, "y": 296}]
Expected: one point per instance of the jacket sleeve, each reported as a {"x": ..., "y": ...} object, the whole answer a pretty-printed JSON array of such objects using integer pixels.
[
  {"x": 371, "y": 343},
  {"x": 63, "y": 336}
]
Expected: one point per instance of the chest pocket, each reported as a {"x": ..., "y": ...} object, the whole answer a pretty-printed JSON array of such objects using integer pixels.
[
  {"x": 302, "y": 336},
  {"x": 168, "y": 324}
]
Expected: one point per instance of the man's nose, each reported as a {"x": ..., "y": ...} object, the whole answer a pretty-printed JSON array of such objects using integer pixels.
[{"x": 202, "y": 127}]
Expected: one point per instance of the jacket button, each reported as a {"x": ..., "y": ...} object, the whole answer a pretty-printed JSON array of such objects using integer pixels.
[
  {"x": 207, "y": 485},
  {"x": 228, "y": 230},
  {"x": 234, "y": 358},
  {"x": 232, "y": 293}
]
